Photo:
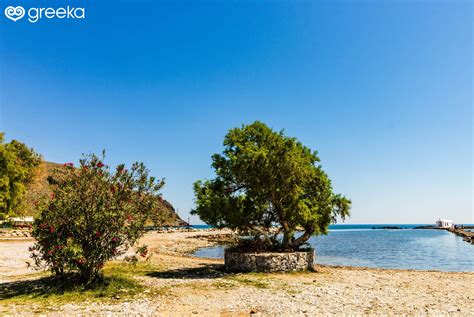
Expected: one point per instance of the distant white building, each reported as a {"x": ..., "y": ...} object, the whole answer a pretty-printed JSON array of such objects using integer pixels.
[
  {"x": 21, "y": 221},
  {"x": 444, "y": 223}
]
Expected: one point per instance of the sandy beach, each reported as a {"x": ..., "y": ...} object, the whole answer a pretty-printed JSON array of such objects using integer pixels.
[{"x": 185, "y": 285}]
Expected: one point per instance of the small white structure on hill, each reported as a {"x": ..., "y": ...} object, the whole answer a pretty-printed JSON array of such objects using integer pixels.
[{"x": 444, "y": 223}]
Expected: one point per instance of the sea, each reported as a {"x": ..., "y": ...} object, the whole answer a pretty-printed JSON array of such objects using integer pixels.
[{"x": 363, "y": 246}]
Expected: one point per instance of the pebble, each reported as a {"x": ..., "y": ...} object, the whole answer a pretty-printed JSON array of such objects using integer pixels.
[{"x": 332, "y": 295}]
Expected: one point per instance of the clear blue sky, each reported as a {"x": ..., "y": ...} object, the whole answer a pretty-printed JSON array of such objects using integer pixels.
[{"x": 382, "y": 89}]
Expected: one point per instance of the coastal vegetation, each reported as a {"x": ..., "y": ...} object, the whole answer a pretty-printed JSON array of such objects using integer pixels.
[
  {"x": 268, "y": 185},
  {"x": 25, "y": 179},
  {"x": 17, "y": 165},
  {"x": 94, "y": 214},
  {"x": 42, "y": 183},
  {"x": 173, "y": 283}
]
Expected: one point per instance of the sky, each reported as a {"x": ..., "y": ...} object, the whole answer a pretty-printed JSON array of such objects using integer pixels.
[{"x": 381, "y": 89}]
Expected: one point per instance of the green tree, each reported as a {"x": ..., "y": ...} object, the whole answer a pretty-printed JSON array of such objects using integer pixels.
[
  {"x": 17, "y": 165},
  {"x": 93, "y": 215},
  {"x": 269, "y": 185}
]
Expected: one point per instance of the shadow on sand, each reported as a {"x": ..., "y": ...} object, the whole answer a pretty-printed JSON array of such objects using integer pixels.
[
  {"x": 45, "y": 287},
  {"x": 67, "y": 284},
  {"x": 36, "y": 288},
  {"x": 202, "y": 272}
]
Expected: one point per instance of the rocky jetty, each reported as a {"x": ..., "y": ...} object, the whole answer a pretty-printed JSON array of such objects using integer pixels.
[{"x": 466, "y": 235}]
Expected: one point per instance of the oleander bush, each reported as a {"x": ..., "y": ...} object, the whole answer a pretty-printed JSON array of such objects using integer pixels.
[
  {"x": 270, "y": 187},
  {"x": 94, "y": 214}
]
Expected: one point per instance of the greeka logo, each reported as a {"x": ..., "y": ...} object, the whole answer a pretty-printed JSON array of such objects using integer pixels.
[
  {"x": 14, "y": 13},
  {"x": 35, "y": 14}
]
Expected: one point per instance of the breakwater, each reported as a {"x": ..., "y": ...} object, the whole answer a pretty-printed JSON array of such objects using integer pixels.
[{"x": 467, "y": 236}]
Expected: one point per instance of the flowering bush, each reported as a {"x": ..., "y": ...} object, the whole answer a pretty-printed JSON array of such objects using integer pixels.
[{"x": 93, "y": 215}]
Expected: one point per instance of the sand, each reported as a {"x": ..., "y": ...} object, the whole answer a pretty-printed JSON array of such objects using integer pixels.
[{"x": 195, "y": 286}]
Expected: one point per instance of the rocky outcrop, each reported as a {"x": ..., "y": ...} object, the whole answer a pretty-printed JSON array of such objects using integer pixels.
[{"x": 167, "y": 215}]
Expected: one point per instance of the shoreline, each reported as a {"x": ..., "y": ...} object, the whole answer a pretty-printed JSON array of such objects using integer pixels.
[
  {"x": 211, "y": 237},
  {"x": 346, "y": 267},
  {"x": 181, "y": 284}
]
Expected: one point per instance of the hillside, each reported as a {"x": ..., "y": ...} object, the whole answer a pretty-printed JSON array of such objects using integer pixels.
[{"x": 40, "y": 186}]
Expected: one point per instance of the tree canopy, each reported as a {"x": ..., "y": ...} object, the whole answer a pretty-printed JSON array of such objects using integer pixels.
[
  {"x": 269, "y": 185},
  {"x": 17, "y": 165}
]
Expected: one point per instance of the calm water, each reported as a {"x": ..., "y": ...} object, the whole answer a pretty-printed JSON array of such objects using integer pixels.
[{"x": 359, "y": 245}]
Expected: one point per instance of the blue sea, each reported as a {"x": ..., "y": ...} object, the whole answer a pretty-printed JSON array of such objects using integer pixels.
[{"x": 360, "y": 245}]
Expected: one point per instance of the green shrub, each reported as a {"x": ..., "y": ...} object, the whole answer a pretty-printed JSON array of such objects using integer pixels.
[
  {"x": 93, "y": 215},
  {"x": 17, "y": 165},
  {"x": 270, "y": 186}
]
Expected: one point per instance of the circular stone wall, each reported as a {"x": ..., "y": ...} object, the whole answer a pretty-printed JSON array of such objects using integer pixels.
[{"x": 268, "y": 261}]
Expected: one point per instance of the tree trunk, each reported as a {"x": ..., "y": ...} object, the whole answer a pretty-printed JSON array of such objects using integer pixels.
[
  {"x": 296, "y": 243},
  {"x": 287, "y": 235},
  {"x": 88, "y": 274}
]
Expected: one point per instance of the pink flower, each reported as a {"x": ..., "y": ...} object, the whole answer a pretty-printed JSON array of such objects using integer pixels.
[
  {"x": 115, "y": 239},
  {"x": 52, "y": 229}
]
